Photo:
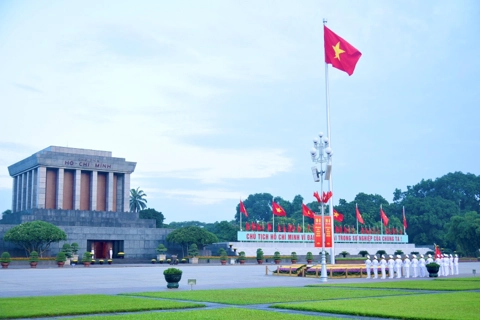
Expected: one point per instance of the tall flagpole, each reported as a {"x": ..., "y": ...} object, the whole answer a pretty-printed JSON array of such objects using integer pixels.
[
  {"x": 329, "y": 135},
  {"x": 241, "y": 217},
  {"x": 357, "y": 219},
  {"x": 273, "y": 217}
]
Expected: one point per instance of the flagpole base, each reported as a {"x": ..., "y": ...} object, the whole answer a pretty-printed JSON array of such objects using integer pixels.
[{"x": 323, "y": 275}]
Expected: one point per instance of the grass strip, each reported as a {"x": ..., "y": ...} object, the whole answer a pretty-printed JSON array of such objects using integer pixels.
[
  {"x": 266, "y": 295},
  {"x": 440, "y": 285},
  {"x": 455, "y": 305},
  {"x": 477, "y": 279},
  {"x": 216, "y": 314},
  {"x": 28, "y": 307}
]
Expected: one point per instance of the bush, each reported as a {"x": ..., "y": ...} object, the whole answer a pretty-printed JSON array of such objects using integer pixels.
[
  {"x": 33, "y": 256},
  {"x": 67, "y": 249},
  {"x": 294, "y": 256},
  {"x": 87, "y": 256},
  {"x": 5, "y": 257},
  {"x": 398, "y": 252},
  {"x": 259, "y": 254},
  {"x": 309, "y": 256},
  {"x": 193, "y": 250},
  {"x": 74, "y": 247},
  {"x": 241, "y": 256},
  {"x": 161, "y": 249},
  {"x": 363, "y": 253},
  {"x": 172, "y": 271},
  {"x": 276, "y": 256},
  {"x": 223, "y": 254},
  {"x": 344, "y": 253},
  {"x": 380, "y": 252},
  {"x": 61, "y": 257}
]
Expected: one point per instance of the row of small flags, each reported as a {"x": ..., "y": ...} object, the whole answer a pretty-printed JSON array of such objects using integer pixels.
[{"x": 337, "y": 216}]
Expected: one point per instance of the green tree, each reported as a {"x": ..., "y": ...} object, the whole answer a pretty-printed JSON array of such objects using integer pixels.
[
  {"x": 224, "y": 230},
  {"x": 137, "y": 200},
  {"x": 152, "y": 214},
  {"x": 188, "y": 235},
  {"x": 35, "y": 236},
  {"x": 6, "y": 212},
  {"x": 464, "y": 232}
]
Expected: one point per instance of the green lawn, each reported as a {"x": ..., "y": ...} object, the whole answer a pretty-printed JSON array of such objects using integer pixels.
[
  {"x": 457, "y": 305},
  {"x": 459, "y": 279},
  {"x": 442, "y": 285},
  {"x": 267, "y": 295},
  {"x": 216, "y": 314},
  {"x": 27, "y": 307}
]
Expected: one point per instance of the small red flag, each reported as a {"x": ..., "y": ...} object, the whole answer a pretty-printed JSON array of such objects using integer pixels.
[
  {"x": 438, "y": 253},
  {"x": 326, "y": 196},
  {"x": 254, "y": 226},
  {"x": 339, "y": 53},
  {"x": 247, "y": 226},
  {"x": 359, "y": 216},
  {"x": 269, "y": 227},
  {"x": 242, "y": 209},
  {"x": 308, "y": 228},
  {"x": 299, "y": 229},
  {"x": 278, "y": 210},
  {"x": 307, "y": 212},
  {"x": 279, "y": 228},
  {"x": 404, "y": 220},
  {"x": 337, "y": 216},
  {"x": 317, "y": 196},
  {"x": 384, "y": 217}
]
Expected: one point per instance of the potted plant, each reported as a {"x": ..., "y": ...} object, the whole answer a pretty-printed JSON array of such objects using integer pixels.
[
  {"x": 363, "y": 253},
  {"x": 344, "y": 253},
  {"x": 193, "y": 252},
  {"x": 5, "y": 260},
  {"x": 241, "y": 257},
  {"x": 276, "y": 257},
  {"x": 259, "y": 256},
  {"x": 74, "y": 262},
  {"x": 100, "y": 261},
  {"x": 161, "y": 252},
  {"x": 294, "y": 257},
  {"x": 33, "y": 259},
  {"x": 109, "y": 261},
  {"x": 223, "y": 256},
  {"x": 309, "y": 257},
  {"x": 121, "y": 254},
  {"x": 161, "y": 261},
  {"x": 92, "y": 261},
  {"x": 172, "y": 276},
  {"x": 87, "y": 259},
  {"x": 432, "y": 269},
  {"x": 61, "y": 258}
]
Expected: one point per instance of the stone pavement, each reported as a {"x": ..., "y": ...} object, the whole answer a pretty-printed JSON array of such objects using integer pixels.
[{"x": 114, "y": 279}]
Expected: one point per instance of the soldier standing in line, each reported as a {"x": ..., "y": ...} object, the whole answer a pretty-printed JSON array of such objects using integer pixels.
[
  {"x": 406, "y": 265},
  {"x": 439, "y": 261},
  {"x": 398, "y": 266},
  {"x": 446, "y": 262},
  {"x": 429, "y": 259},
  {"x": 391, "y": 264},
  {"x": 383, "y": 264},
  {"x": 450, "y": 264},
  {"x": 368, "y": 264},
  {"x": 375, "y": 267},
  {"x": 415, "y": 266},
  {"x": 455, "y": 263},
  {"x": 422, "y": 268}
]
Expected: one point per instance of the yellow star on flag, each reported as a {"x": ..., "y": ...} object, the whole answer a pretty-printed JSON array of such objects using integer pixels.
[
  {"x": 279, "y": 210},
  {"x": 337, "y": 50}
]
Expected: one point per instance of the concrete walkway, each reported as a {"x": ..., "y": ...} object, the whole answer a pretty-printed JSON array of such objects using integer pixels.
[{"x": 114, "y": 279}]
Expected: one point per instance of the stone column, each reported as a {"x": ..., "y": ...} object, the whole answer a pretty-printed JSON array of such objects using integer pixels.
[
  {"x": 28, "y": 198},
  {"x": 93, "y": 191},
  {"x": 76, "y": 189},
  {"x": 59, "y": 195},
  {"x": 14, "y": 194},
  {"x": 33, "y": 190},
  {"x": 110, "y": 191},
  {"x": 41, "y": 187},
  {"x": 22, "y": 193},
  {"x": 126, "y": 192}
]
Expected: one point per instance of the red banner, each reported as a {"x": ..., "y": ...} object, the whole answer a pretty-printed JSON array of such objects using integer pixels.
[{"x": 317, "y": 230}]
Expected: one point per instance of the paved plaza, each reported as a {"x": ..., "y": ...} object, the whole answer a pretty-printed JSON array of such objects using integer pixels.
[{"x": 114, "y": 279}]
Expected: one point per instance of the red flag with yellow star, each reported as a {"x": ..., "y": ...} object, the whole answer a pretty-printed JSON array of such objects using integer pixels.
[
  {"x": 277, "y": 210},
  {"x": 339, "y": 53},
  {"x": 337, "y": 216}
]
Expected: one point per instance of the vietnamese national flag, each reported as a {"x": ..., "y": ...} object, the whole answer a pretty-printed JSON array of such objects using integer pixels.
[
  {"x": 404, "y": 220},
  {"x": 307, "y": 212},
  {"x": 247, "y": 226},
  {"x": 359, "y": 216},
  {"x": 299, "y": 229},
  {"x": 242, "y": 209},
  {"x": 339, "y": 53},
  {"x": 337, "y": 216},
  {"x": 278, "y": 210},
  {"x": 384, "y": 217},
  {"x": 438, "y": 253},
  {"x": 269, "y": 227}
]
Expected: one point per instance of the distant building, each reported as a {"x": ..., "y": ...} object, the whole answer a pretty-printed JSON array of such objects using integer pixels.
[{"x": 86, "y": 193}]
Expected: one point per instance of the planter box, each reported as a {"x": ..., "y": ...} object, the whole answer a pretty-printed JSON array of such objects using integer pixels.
[{"x": 194, "y": 260}]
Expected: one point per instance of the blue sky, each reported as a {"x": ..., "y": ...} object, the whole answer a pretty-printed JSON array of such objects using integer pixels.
[{"x": 216, "y": 100}]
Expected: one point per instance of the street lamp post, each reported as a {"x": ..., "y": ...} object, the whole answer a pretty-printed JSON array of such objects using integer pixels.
[{"x": 321, "y": 153}]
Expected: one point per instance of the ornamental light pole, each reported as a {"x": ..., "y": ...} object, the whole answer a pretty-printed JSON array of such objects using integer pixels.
[{"x": 321, "y": 153}]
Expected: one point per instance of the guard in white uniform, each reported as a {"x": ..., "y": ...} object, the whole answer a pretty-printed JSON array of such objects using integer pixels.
[
  {"x": 391, "y": 266},
  {"x": 421, "y": 266},
  {"x": 406, "y": 265},
  {"x": 439, "y": 261},
  {"x": 383, "y": 264},
  {"x": 446, "y": 262},
  {"x": 368, "y": 265},
  {"x": 398, "y": 266},
  {"x": 455, "y": 263},
  {"x": 415, "y": 266},
  {"x": 375, "y": 267},
  {"x": 450, "y": 264},
  {"x": 429, "y": 259}
]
